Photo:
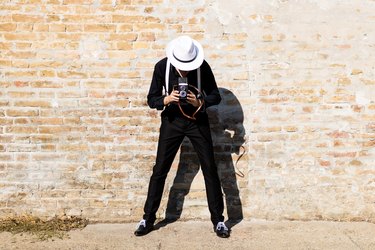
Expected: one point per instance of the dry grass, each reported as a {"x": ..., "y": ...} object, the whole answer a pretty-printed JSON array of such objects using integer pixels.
[{"x": 42, "y": 229}]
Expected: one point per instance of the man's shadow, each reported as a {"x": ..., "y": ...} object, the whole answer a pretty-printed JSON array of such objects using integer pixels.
[{"x": 227, "y": 130}]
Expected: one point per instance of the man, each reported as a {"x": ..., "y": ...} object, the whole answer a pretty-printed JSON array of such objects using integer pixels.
[{"x": 185, "y": 59}]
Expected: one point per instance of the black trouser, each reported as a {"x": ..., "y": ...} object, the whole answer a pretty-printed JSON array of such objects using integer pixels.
[{"x": 171, "y": 136}]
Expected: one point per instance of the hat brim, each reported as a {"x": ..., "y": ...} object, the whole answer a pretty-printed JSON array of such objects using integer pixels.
[{"x": 196, "y": 63}]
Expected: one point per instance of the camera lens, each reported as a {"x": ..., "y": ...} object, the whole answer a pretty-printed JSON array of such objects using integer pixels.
[{"x": 182, "y": 93}]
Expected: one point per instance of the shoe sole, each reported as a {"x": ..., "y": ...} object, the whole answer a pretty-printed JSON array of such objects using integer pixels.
[
  {"x": 143, "y": 234},
  {"x": 223, "y": 235}
]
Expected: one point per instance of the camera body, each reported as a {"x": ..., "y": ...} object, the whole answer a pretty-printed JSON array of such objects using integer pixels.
[{"x": 183, "y": 88}]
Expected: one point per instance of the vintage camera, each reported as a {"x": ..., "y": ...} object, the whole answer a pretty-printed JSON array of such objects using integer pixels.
[{"x": 183, "y": 87}]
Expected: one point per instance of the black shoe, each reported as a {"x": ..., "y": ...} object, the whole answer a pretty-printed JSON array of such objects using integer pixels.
[
  {"x": 143, "y": 228},
  {"x": 221, "y": 230}
]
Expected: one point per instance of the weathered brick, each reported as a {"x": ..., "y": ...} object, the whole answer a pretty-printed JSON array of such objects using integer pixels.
[
  {"x": 21, "y": 130},
  {"x": 8, "y": 27},
  {"x": 20, "y": 74},
  {"x": 22, "y": 112},
  {"x": 127, "y": 19},
  {"x": 99, "y": 28},
  {"x": 46, "y": 84},
  {"x": 124, "y": 46},
  {"x": 18, "y": 94},
  {"x": 72, "y": 74},
  {"x": 35, "y": 103},
  {"x": 74, "y": 116},
  {"x": 25, "y": 18},
  {"x": 130, "y": 37},
  {"x": 53, "y": 129}
]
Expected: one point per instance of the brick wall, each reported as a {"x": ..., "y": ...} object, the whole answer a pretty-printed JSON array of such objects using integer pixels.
[{"x": 294, "y": 136}]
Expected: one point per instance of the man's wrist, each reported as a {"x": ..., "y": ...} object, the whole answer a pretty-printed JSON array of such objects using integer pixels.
[{"x": 165, "y": 101}]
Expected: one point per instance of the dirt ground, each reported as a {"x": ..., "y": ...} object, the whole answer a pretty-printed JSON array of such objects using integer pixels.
[{"x": 200, "y": 235}]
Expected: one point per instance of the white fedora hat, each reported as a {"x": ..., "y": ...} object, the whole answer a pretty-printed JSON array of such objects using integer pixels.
[{"x": 185, "y": 53}]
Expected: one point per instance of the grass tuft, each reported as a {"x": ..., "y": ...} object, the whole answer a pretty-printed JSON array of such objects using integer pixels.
[{"x": 43, "y": 229}]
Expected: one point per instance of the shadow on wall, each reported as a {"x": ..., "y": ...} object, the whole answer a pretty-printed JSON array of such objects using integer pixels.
[{"x": 228, "y": 137}]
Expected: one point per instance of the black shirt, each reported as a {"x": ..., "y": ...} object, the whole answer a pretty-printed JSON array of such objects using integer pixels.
[{"x": 155, "y": 95}]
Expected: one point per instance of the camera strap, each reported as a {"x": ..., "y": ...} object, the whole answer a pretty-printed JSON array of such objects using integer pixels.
[
  {"x": 201, "y": 102},
  {"x": 199, "y": 78},
  {"x": 167, "y": 77},
  {"x": 198, "y": 90}
]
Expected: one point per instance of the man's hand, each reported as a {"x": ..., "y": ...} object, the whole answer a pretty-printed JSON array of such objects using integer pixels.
[
  {"x": 172, "y": 98},
  {"x": 192, "y": 99}
]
